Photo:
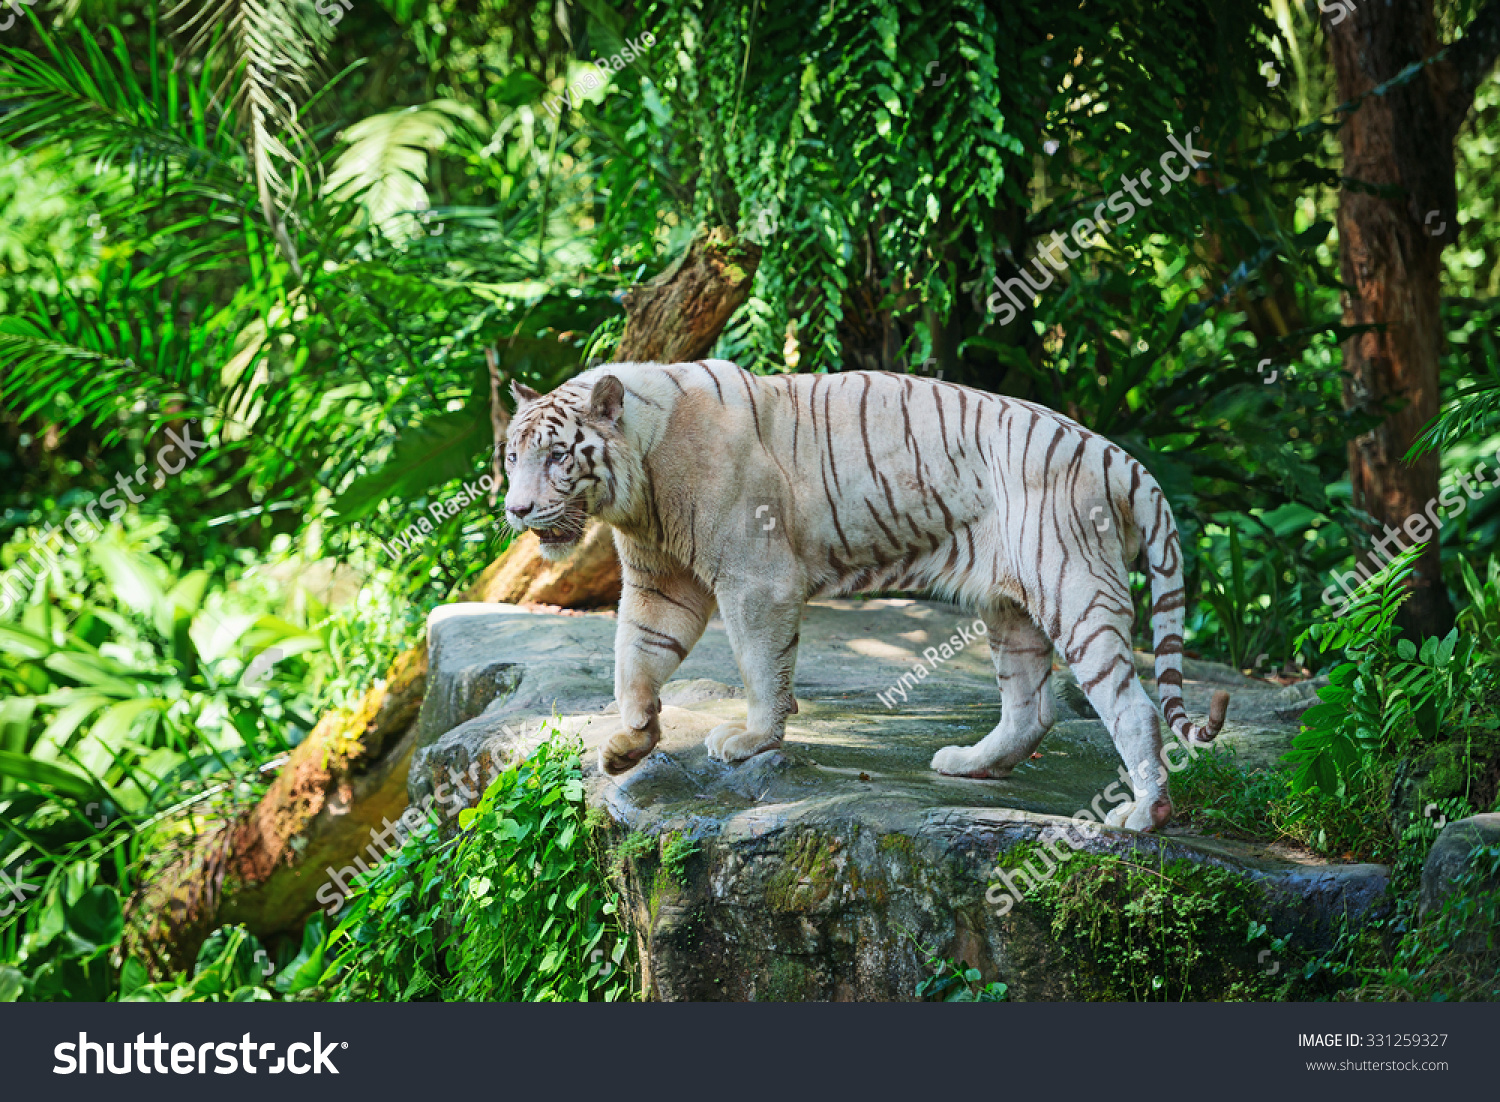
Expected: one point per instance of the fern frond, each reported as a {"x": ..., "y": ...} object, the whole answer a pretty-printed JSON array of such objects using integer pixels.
[
  {"x": 1475, "y": 412},
  {"x": 270, "y": 47}
]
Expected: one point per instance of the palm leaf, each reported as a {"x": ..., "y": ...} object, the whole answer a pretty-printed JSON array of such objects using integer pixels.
[
  {"x": 385, "y": 162},
  {"x": 1473, "y": 413},
  {"x": 271, "y": 48},
  {"x": 436, "y": 451}
]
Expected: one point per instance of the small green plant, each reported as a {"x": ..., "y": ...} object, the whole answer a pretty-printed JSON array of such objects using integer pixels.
[
  {"x": 632, "y": 847},
  {"x": 951, "y": 984},
  {"x": 676, "y": 849},
  {"x": 513, "y": 907},
  {"x": 951, "y": 981},
  {"x": 1220, "y": 795}
]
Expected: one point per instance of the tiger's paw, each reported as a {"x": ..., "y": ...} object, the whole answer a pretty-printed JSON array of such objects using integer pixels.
[
  {"x": 730, "y": 742},
  {"x": 624, "y": 750},
  {"x": 1139, "y": 815},
  {"x": 958, "y": 761}
]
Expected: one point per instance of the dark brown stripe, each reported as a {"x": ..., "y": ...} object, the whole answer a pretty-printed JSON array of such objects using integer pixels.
[
  {"x": 659, "y": 639},
  {"x": 714, "y": 377}
]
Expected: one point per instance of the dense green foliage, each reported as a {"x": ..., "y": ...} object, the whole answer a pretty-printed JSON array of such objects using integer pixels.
[
  {"x": 509, "y": 908},
  {"x": 296, "y": 242}
]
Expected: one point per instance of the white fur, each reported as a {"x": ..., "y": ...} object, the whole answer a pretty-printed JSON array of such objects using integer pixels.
[{"x": 753, "y": 494}]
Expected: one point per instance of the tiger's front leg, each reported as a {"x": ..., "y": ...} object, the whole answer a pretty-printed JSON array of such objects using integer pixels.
[
  {"x": 663, "y": 611},
  {"x": 761, "y": 617}
]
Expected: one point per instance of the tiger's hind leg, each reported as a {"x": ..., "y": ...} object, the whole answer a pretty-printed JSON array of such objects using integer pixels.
[
  {"x": 1097, "y": 647},
  {"x": 1022, "y": 655}
]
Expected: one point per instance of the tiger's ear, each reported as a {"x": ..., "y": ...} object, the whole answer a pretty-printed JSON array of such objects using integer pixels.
[
  {"x": 522, "y": 393},
  {"x": 607, "y": 400}
]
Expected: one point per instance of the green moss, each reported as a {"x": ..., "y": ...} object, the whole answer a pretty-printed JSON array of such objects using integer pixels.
[
  {"x": 873, "y": 888},
  {"x": 1459, "y": 767},
  {"x": 1137, "y": 930},
  {"x": 808, "y": 874},
  {"x": 787, "y": 980},
  {"x": 898, "y": 843},
  {"x": 662, "y": 889}
]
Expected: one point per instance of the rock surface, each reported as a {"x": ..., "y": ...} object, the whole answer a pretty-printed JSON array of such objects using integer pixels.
[
  {"x": 818, "y": 865},
  {"x": 1449, "y": 858}
]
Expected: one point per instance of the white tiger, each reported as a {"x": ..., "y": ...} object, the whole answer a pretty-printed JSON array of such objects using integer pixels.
[{"x": 757, "y": 493}]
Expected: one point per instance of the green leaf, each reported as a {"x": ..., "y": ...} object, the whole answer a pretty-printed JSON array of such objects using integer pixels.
[
  {"x": 103, "y": 674},
  {"x": 133, "y": 977},
  {"x": 131, "y": 578},
  {"x": 45, "y": 774},
  {"x": 1315, "y": 234},
  {"x": 77, "y": 708},
  {"x": 23, "y": 644},
  {"x": 435, "y": 452},
  {"x": 97, "y": 918},
  {"x": 113, "y": 728},
  {"x": 517, "y": 88}
]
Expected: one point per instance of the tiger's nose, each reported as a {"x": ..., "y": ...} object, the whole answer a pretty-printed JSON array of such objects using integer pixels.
[{"x": 519, "y": 512}]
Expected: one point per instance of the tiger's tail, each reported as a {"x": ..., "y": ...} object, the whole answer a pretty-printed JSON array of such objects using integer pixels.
[{"x": 1163, "y": 554}]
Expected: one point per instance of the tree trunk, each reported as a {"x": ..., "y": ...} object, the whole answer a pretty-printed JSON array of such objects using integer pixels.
[
  {"x": 347, "y": 779},
  {"x": 1395, "y": 216},
  {"x": 679, "y": 315}
]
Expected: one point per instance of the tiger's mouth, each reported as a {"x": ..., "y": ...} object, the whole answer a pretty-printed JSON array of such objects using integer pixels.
[{"x": 560, "y": 537}]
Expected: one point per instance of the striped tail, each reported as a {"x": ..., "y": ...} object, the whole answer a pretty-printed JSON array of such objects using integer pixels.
[{"x": 1163, "y": 554}]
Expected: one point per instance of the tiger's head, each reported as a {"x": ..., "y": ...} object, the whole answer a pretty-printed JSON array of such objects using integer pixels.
[{"x": 562, "y": 459}]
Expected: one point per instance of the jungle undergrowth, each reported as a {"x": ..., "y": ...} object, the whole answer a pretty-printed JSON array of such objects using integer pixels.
[{"x": 515, "y": 906}]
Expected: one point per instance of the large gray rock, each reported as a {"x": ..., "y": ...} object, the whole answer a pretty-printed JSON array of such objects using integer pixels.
[
  {"x": 1449, "y": 859},
  {"x": 820, "y": 865}
]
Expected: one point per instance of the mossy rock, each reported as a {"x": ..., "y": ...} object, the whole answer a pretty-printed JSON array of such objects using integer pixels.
[{"x": 826, "y": 869}]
